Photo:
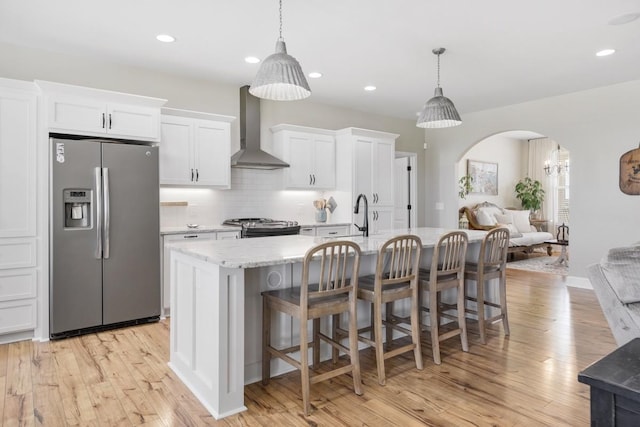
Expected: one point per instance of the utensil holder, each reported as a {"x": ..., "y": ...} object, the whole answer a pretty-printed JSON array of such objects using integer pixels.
[{"x": 321, "y": 215}]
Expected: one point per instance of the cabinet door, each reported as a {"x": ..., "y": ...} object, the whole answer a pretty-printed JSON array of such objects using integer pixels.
[
  {"x": 129, "y": 121},
  {"x": 17, "y": 163},
  {"x": 77, "y": 115},
  {"x": 212, "y": 153},
  {"x": 175, "y": 151},
  {"x": 383, "y": 173},
  {"x": 308, "y": 231},
  {"x": 336, "y": 231},
  {"x": 362, "y": 169},
  {"x": 324, "y": 160},
  {"x": 382, "y": 219},
  {"x": 227, "y": 235},
  {"x": 299, "y": 174}
]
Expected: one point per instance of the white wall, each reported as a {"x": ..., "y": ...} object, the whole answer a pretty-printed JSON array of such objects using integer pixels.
[
  {"x": 508, "y": 154},
  {"x": 597, "y": 126},
  {"x": 213, "y": 97}
]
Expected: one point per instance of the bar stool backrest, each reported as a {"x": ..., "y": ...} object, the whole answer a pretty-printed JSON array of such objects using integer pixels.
[
  {"x": 494, "y": 248},
  {"x": 398, "y": 260},
  {"x": 449, "y": 256},
  {"x": 339, "y": 265}
]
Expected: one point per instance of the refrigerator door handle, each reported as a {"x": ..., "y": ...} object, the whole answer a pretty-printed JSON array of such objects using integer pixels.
[
  {"x": 105, "y": 194},
  {"x": 98, "y": 178}
]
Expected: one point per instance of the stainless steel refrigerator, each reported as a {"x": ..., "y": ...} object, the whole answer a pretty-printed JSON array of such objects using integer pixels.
[{"x": 104, "y": 242}]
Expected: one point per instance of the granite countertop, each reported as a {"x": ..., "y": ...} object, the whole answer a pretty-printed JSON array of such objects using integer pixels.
[
  {"x": 265, "y": 251},
  {"x": 326, "y": 224},
  {"x": 201, "y": 229}
]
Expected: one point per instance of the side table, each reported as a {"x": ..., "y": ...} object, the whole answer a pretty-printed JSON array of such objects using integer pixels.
[
  {"x": 564, "y": 256},
  {"x": 540, "y": 224},
  {"x": 615, "y": 387}
]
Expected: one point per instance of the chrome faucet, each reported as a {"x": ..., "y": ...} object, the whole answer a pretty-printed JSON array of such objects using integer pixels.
[{"x": 365, "y": 225}]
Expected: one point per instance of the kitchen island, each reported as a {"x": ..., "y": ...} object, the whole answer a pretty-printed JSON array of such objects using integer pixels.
[{"x": 216, "y": 319}]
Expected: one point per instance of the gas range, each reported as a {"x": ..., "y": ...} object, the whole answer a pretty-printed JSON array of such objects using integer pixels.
[{"x": 261, "y": 227}]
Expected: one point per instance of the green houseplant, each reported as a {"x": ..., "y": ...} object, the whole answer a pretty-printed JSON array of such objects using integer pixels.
[
  {"x": 465, "y": 186},
  {"x": 530, "y": 193}
]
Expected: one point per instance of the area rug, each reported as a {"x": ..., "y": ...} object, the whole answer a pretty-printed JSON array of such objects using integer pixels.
[{"x": 540, "y": 263}]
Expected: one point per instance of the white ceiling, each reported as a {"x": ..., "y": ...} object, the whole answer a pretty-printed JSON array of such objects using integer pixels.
[{"x": 499, "y": 52}]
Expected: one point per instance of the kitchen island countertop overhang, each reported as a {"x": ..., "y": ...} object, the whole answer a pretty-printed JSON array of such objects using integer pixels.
[
  {"x": 216, "y": 320},
  {"x": 266, "y": 251}
]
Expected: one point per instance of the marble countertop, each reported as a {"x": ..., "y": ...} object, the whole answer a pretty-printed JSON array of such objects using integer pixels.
[
  {"x": 201, "y": 229},
  {"x": 265, "y": 251},
  {"x": 326, "y": 224}
]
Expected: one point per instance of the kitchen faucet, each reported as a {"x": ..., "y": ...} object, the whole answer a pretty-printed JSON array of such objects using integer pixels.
[{"x": 365, "y": 225}]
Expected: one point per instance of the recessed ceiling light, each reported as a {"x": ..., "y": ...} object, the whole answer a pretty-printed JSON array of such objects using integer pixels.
[
  {"x": 315, "y": 75},
  {"x": 606, "y": 52},
  {"x": 624, "y": 19},
  {"x": 370, "y": 88},
  {"x": 165, "y": 38},
  {"x": 251, "y": 59}
]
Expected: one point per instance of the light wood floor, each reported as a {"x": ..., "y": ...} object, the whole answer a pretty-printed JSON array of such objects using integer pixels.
[{"x": 529, "y": 379}]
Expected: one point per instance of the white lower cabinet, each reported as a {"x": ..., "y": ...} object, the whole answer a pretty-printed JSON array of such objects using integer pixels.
[
  {"x": 168, "y": 238},
  {"x": 18, "y": 210},
  {"x": 325, "y": 230}
]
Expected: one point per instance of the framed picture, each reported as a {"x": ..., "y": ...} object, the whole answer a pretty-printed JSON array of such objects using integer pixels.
[{"x": 485, "y": 177}]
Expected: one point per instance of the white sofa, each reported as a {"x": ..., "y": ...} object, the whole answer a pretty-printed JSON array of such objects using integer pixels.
[
  {"x": 616, "y": 283},
  {"x": 524, "y": 236}
]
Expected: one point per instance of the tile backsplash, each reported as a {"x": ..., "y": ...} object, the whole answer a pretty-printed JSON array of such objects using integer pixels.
[{"x": 254, "y": 193}]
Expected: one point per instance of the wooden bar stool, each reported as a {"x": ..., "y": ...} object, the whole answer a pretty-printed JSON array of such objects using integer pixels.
[
  {"x": 492, "y": 264},
  {"x": 332, "y": 293},
  {"x": 396, "y": 278},
  {"x": 446, "y": 272}
]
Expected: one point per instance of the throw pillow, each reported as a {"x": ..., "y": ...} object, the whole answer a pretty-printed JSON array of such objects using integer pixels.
[
  {"x": 485, "y": 218},
  {"x": 521, "y": 221},
  {"x": 621, "y": 267},
  {"x": 507, "y": 218}
]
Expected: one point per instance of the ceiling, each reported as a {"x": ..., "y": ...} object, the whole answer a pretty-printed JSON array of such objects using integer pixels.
[{"x": 499, "y": 52}]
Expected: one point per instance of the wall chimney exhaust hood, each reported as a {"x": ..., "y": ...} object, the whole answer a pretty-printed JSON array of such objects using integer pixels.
[{"x": 250, "y": 156}]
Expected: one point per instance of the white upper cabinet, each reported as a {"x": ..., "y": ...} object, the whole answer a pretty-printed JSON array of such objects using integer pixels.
[
  {"x": 311, "y": 154},
  {"x": 195, "y": 149},
  {"x": 17, "y": 159},
  {"x": 365, "y": 165},
  {"x": 93, "y": 112},
  {"x": 374, "y": 169}
]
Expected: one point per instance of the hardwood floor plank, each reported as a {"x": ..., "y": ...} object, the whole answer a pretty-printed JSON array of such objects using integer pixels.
[
  {"x": 76, "y": 400},
  {"x": 121, "y": 377},
  {"x": 18, "y": 397},
  {"x": 131, "y": 397},
  {"x": 47, "y": 409}
]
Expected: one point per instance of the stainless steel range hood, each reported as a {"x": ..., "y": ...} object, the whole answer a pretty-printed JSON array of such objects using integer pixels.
[{"x": 250, "y": 156}]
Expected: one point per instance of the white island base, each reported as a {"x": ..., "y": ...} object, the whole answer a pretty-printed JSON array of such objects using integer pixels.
[
  {"x": 216, "y": 308},
  {"x": 207, "y": 332}
]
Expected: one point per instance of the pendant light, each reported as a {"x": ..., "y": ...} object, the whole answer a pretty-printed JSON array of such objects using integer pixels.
[
  {"x": 280, "y": 77},
  {"x": 439, "y": 111}
]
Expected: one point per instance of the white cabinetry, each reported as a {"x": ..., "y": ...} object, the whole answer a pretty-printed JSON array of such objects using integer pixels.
[
  {"x": 18, "y": 206},
  {"x": 195, "y": 149},
  {"x": 169, "y": 238},
  {"x": 83, "y": 111},
  {"x": 311, "y": 154},
  {"x": 325, "y": 230},
  {"x": 365, "y": 164}
]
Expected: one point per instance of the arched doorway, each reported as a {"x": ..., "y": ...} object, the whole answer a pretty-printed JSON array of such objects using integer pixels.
[{"x": 515, "y": 155}]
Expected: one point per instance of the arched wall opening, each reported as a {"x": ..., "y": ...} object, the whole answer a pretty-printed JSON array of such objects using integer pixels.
[{"x": 499, "y": 161}]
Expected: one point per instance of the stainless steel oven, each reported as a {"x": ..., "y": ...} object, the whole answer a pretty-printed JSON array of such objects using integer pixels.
[{"x": 262, "y": 227}]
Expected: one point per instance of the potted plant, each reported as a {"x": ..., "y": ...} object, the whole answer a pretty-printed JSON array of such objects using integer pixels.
[
  {"x": 466, "y": 185},
  {"x": 530, "y": 193}
]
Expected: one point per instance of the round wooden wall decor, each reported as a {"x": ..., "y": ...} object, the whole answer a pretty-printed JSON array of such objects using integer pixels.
[{"x": 630, "y": 172}]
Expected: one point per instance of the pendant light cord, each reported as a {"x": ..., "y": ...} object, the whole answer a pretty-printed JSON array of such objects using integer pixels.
[
  {"x": 281, "y": 20},
  {"x": 438, "y": 69}
]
